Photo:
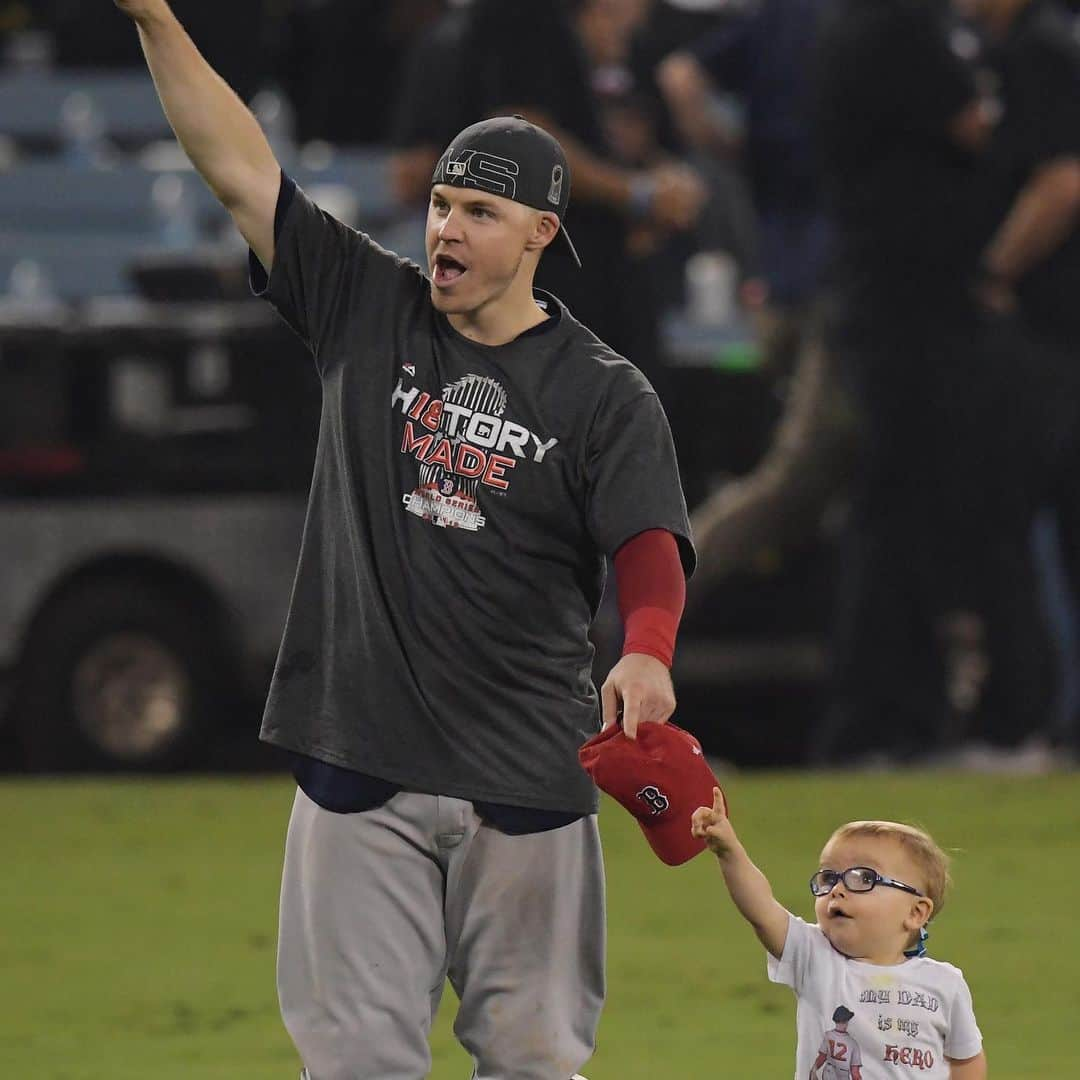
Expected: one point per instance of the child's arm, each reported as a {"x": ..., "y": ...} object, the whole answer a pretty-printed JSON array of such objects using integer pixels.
[
  {"x": 973, "y": 1068},
  {"x": 748, "y": 886}
]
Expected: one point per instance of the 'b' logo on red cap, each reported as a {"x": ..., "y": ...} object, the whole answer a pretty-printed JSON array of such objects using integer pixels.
[{"x": 655, "y": 798}]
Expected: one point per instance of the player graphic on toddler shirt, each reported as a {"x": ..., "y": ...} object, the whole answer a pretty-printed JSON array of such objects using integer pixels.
[{"x": 839, "y": 1053}]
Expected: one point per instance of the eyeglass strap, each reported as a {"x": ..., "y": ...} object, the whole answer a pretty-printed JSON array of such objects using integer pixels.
[{"x": 919, "y": 949}]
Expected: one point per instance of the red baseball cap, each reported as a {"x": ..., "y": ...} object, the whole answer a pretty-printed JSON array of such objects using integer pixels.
[{"x": 661, "y": 777}]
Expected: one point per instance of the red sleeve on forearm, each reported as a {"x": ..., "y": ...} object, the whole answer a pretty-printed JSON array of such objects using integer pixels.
[{"x": 651, "y": 590}]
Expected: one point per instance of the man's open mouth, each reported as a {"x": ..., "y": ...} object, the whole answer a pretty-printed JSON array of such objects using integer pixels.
[{"x": 447, "y": 270}]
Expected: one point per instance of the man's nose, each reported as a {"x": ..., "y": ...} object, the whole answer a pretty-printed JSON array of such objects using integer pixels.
[{"x": 450, "y": 229}]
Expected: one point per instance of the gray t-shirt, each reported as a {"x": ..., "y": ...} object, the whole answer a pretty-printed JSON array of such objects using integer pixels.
[{"x": 462, "y": 502}]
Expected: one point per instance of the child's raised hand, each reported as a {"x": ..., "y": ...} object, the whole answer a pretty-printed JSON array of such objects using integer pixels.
[{"x": 711, "y": 824}]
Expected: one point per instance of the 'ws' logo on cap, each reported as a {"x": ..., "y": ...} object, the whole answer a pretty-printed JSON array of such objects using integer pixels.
[
  {"x": 479, "y": 169},
  {"x": 655, "y": 798}
]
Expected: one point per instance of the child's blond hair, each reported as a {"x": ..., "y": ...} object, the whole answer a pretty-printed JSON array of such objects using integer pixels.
[{"x": 919, "y": 844}]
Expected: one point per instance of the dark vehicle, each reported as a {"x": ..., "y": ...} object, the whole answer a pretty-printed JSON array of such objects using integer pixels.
[{"x": 154, "y": 464}]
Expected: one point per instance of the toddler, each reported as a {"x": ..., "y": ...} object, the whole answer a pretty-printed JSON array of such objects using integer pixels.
[{"x": 871, "y": 1004}]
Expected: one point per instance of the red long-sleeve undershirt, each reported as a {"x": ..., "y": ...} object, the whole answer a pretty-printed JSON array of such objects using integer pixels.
[{"x": 651, "y": 591}]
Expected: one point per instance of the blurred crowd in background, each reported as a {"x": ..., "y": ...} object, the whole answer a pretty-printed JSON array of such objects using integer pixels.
[{"x": 882, "y": 196}]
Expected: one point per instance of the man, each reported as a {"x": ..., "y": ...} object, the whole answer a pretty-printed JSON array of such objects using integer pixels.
[
  {"x": 900, "y": 121},
  {"x": 480, "y": 453},
  {"x": 1031, "y": 266}
]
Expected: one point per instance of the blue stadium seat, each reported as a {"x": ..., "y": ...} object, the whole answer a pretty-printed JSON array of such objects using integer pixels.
[
  {"x": 83, "y": 226},
  {"x": 32, "y": 103},
  {"x": 76, "y": 267},
  {"x": 51, "y": 197}
]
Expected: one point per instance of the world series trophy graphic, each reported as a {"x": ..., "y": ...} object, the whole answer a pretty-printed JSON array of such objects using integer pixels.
[{"x": 443, "y": 497}]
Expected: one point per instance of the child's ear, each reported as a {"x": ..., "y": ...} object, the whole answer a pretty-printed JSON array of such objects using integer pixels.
[{"x": 921, "y": 911}]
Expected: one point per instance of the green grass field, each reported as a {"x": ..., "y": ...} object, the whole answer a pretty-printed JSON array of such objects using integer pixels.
[{"x": 137, "y": 925}]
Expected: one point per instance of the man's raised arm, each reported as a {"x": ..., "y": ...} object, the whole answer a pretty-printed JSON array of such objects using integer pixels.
[{"x": 216, "y": 129}]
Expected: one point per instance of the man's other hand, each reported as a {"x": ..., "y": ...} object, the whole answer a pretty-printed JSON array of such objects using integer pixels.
[{"x": 639, "y": 689}]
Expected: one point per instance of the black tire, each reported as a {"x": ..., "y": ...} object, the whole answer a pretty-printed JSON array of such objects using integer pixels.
[{"x": 121, "y": 673}]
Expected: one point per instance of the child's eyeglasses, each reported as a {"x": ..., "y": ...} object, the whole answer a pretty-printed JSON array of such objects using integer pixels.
[{"x": 855, "y": 879}]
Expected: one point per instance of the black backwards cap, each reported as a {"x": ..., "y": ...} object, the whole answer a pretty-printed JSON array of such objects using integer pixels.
[{"x": 508, "y": 156}]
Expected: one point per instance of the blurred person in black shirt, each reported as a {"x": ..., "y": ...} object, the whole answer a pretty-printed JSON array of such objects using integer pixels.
[
  {"x": 1034, "y": 256},
  {"x": 939, "y": 529},
  {"x": 1035, "y": 156},
  {"x": 899, "y": 121},
  {"x": 1031, "y": 266},
  {"x": 633, "y": 129}
]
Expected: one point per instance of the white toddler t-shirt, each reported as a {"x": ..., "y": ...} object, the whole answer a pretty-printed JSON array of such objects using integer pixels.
[{"x": 905, "y": 1019}]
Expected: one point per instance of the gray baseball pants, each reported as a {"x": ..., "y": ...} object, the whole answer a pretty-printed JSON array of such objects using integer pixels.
[{"x": 379, "y": 907}]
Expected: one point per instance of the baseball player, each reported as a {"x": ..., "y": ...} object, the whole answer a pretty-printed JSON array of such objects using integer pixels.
[
  {"x": 839, "y": 1053},
  {"x": 480, "y": 453}
]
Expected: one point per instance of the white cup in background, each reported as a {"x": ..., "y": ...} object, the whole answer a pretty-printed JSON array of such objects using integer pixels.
[{"x": 712, "y": 279}]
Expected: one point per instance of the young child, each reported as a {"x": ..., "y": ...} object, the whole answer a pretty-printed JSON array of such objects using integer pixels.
[{"x": 872, "y": 1005}]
